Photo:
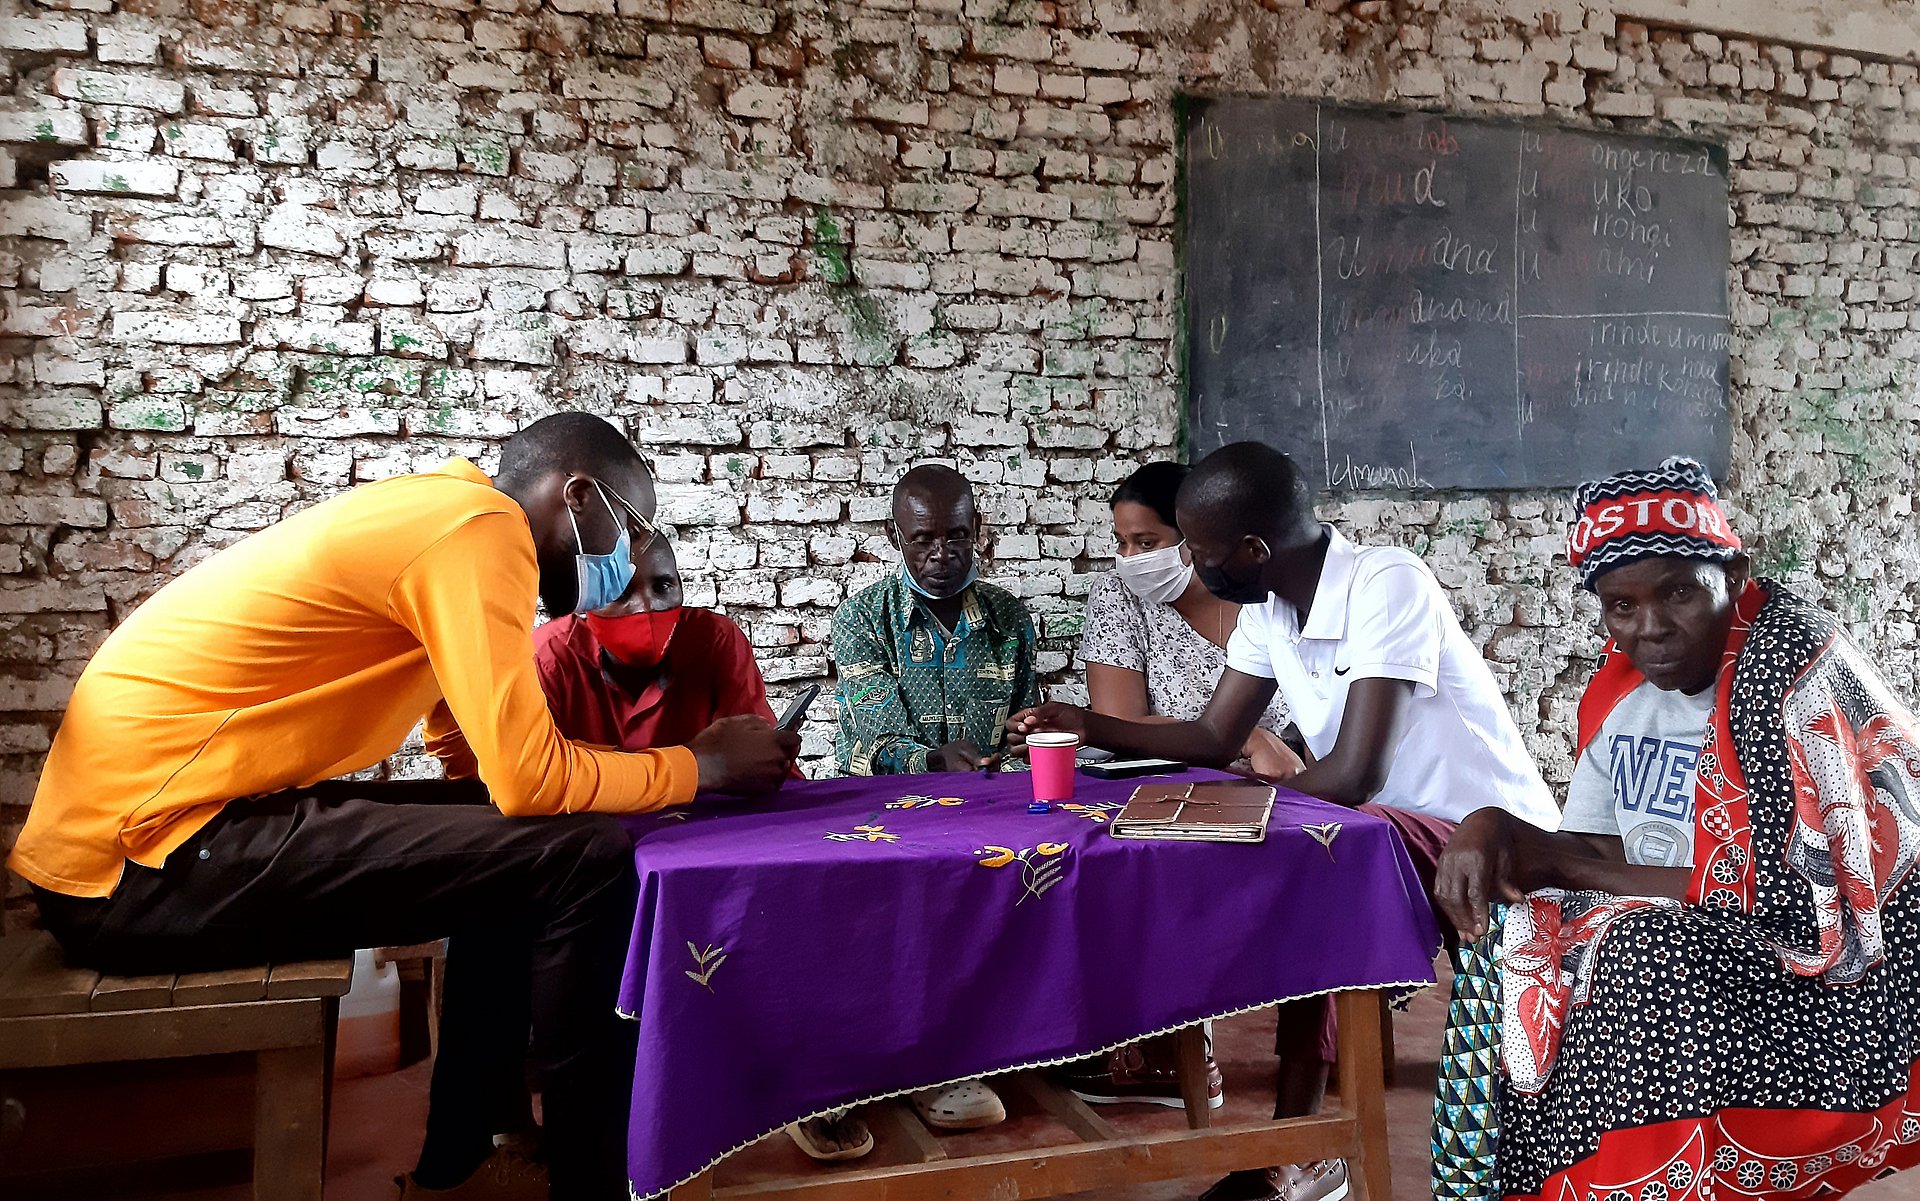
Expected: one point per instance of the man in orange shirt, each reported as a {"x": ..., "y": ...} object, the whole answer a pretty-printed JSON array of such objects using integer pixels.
[{"x": 188, "y": 817}]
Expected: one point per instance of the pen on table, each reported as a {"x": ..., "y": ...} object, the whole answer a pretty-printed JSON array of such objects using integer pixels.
[{"x": 989, "y": 765}]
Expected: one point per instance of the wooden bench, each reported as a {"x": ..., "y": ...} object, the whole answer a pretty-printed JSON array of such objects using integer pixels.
[
  {"x": 54, "y": 1016},
  {"x": 1100, "y": 1157}
]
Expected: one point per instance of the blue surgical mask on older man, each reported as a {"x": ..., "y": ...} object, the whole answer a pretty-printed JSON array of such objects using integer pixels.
[{"x": 973, "y": 574}]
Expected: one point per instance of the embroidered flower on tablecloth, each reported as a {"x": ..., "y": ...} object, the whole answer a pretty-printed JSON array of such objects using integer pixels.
[
  {"x": 1097, "y": 811},
  {"x": 1041, "y": 867},
  {"x": 925, "y": 802},
  {"x": 1324, "y": 833},
  {"x": 708, "y": 962},
  {"x": 871, "y": 833}
]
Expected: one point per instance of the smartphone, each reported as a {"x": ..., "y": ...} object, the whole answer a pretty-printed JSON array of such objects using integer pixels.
[
  {"x": 790, "y": 720},
  {"x": 1126, "y": 769}
]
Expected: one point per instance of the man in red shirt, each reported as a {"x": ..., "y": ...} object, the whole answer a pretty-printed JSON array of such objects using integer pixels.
[{"x": 647, "y": 671}]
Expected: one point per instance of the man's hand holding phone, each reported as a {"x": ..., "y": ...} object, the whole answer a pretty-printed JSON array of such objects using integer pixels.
[{"x": 744, "y": 755}]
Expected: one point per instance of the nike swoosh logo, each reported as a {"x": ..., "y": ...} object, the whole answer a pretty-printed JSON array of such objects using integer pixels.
[{"x": 1341, "y": 671}]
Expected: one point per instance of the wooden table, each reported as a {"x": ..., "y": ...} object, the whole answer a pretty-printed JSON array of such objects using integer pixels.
[{"x": 1101, "y": 1158}]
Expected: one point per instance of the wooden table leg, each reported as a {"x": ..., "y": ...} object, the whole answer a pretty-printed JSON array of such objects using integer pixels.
[
  {"x": 330, "y": 1019},
  {"x": 1363, "y": 1093},
  {"x": 1192, "y": 1044},
  {"x": 700, "y": 1188},
  {"x": 289, "y": 1124},
  {"x": 1388, "y": 1055}
]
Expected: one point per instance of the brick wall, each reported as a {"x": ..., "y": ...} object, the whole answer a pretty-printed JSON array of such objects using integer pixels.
[{"x": 256, "y": 252}]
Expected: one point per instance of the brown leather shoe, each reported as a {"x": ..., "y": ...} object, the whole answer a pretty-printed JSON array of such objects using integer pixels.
[
  {"x": 1142, "y": 1073},
  {"x": 504, "y": 1175}
]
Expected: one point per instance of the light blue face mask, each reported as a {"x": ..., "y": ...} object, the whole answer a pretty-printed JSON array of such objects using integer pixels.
[
  {"x": 602, "y": 579},
  {"x": 965, "y": 584}
]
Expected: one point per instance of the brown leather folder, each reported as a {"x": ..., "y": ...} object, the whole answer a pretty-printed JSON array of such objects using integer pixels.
[{"x": 1214, "y": 811}]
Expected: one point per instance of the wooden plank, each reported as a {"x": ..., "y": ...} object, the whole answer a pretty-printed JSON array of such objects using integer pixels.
[
  {"x": 132, "y": 992},
  {"x": 1191, "y": 1045},
  {"x": 39, "y": 981},
  {"x": 700, "y": 1188},
  {"x": 896, "y": 1121},
  {"x": 1030, "y": 1173},
  {"x": 315, "y": 978},
  {"x": 1363, "y": 1093},
  {"x": 289, "y": 1124},
  {"x": 221, "y": 988},
  {"x": 419, "y": 950},
  {"x": 57, "y": 1040},
  {"x": 1065, "y": 1108}
]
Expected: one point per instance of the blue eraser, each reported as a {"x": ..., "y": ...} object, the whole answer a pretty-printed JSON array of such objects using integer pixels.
[{"x": 1039, "y": 807}]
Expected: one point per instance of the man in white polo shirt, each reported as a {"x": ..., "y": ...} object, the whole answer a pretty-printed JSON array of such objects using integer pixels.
[{"x": 1401, "y": 712}]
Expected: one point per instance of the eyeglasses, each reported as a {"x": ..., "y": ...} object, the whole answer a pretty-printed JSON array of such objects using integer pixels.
[
  {"x": 649, "y": 532},
  {"x": 925, "y": 543}
]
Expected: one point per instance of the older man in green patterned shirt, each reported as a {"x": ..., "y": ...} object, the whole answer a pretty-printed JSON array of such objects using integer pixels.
[{"x": 931, "y": 661}]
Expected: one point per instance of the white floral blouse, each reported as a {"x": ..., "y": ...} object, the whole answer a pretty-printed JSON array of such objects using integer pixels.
[{"x": 1181, "y": 666}]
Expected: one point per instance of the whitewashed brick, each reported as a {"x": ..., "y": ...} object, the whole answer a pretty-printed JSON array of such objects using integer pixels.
[
  {"x": 51, "y": 126},
  {"x": 527, "y": 342},
  {"x": 136, "y": 91},
  {"x": 411, "y": 339},
  {"x": 200, "y": 330},
  {"x": 55, "y": 411},
  {"x": 343, "y": 337},
  {"x": 1419, "y": 83},
  {"x": 631, "y": 88},
  {"x": 59, "y": 35},
  {"x": 210, "y": 142},
  {"x": 292, "y": 227},
  {"x": 760, "y": 102},
  {"x": 506, "y": 247},
  {"x": 131, "y": 178},
  {"x": 116, "y": 44}
]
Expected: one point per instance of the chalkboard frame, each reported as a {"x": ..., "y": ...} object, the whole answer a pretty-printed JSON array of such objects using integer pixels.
[{"x": 1716, "y": 448}]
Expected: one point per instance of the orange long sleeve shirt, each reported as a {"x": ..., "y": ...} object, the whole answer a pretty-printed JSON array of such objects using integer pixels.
[{"x": 307, "y": 651}]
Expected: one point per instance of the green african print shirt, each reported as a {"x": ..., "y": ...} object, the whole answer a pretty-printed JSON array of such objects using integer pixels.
[{"x": 908, "y": 687}]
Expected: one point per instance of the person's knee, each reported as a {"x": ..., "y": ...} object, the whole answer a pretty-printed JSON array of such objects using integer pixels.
[{"x": 598, "y": 854}]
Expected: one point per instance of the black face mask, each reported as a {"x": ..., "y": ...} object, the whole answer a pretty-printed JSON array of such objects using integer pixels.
[{"x": 1227, "y": 588}]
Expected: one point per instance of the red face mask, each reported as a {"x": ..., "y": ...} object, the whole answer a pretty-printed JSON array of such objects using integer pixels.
[{"x": 636, "y": 639}]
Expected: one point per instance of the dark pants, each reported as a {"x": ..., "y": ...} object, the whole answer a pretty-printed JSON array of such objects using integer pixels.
[
  {"x": 1308, "y": 1031},
  {"x": 538, "y": 912}
]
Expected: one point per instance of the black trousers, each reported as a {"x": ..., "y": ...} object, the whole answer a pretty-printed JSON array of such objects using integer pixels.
[{"x": 538, "y": 912}]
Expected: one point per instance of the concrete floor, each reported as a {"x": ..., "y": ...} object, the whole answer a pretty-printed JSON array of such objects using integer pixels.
[{"x": 377, "y": 1121}]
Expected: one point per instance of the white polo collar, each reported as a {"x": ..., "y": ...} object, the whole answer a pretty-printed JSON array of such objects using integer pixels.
[{"x": 1328, "y": 617}]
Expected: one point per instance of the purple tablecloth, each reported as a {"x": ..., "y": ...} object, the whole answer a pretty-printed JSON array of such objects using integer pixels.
[{"x": 854, "y": 938}]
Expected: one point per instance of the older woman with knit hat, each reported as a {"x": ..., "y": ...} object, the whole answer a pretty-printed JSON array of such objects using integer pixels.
[{"x": 1704, "y": 983}]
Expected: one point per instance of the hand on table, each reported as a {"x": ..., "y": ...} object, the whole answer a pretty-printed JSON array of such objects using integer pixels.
[
  {"x": 744, "y": 754},
  {"x": 1478, "y": 868},
  {"x": 1053, "y": 716},
  {"x": 959, "y": 755},
  {"x": 1270, "y": 757}
]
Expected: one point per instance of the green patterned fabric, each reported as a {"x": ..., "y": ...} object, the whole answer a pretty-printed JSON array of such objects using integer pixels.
[
  {"x": 908, "y": 687},
  {"x": 1466, "y": 1109}
]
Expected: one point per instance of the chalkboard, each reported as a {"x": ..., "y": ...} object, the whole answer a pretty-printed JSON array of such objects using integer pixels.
[{"x": 1409, "y": 301}]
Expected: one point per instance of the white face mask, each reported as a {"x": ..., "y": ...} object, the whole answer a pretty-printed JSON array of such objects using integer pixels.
[{"x": 1156, "y": 576}]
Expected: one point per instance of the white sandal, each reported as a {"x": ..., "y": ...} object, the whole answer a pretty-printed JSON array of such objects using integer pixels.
[{"x": 968, "y": 1105}]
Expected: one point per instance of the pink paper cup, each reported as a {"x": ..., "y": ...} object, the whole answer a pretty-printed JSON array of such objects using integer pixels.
[{"x": 1052, "y": 755}]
